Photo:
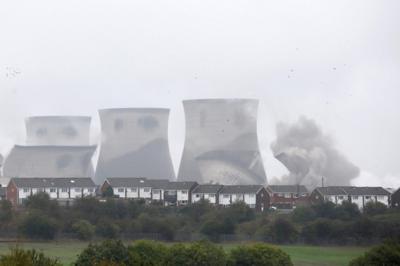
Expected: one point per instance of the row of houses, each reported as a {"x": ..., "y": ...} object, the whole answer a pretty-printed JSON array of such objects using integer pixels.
[{"x": 178, "y": 193}]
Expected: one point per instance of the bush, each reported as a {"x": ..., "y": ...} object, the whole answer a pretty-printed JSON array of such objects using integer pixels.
[
  {"x": 374, "y": 208},
  {"x": 216, "y": 226},
  {"x": 38, "y": 226},
  {"x": 387, "y": 254},
  {"x": 324, "y": 231},
  {"x": 109, "y": 252},
  {"x": 107, "y": 229},
  {"x": 20, "y": 257},
  {"x": 83, "y": 229},
  {"x": 42, "y": 202},
  {"x": 6, "y": 212},
  {"x": 303, "y": 214},
  {"x": 201, "y": 253},
  {"x": 258, "y": 254},
  {"x": 283, "y": 231},
  {"x": 146, "y": 252}
]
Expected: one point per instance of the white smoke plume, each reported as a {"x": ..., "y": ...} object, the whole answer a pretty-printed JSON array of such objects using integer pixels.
[{"x": 310, "y": 156}]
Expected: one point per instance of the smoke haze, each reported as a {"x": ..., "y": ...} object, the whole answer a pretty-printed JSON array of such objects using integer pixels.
[{"x": 310, "y": 155}]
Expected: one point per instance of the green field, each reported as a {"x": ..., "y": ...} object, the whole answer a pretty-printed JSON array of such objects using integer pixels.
[{"x": 301, "y": 255}]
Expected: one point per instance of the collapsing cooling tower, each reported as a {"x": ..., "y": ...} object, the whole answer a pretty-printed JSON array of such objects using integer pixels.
[
  {"x": 134, "y": 144},
  {"x": 221, "y": 143},
  {"x": 58, "y": 130},
  {"x": 49, "y": 161}
]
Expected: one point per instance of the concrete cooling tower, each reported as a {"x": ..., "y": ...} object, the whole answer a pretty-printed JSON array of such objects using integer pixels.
[
  {"x": 134, "y": 144},
  {"x": 58, "y": 130},
  {"x": 49, "y": 161},
  {"x": 221, "y": 143}
]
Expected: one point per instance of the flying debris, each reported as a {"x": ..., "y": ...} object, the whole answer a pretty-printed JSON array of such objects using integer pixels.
[{"x": 309, "y": 154}]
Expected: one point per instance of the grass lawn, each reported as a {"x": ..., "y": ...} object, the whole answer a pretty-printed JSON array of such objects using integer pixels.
[{"x": 301, "y": 255}]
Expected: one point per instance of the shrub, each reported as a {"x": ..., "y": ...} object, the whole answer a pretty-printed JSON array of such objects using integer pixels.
[
  {"x": 324, "y": 231},
  {"x": 109, "y": 252},
  {"x": 387, "y": 254},
  {"x": 20, "y": 257},
  {"x": 303, "y": 214},
  {"x": 258, "y": 254},
  {"x": 107, "y": 229},
  {"x": 201, "y": 253},
  {"x": 42, "y": 202},
  {"x": 38, "y": 226},
  {"x": 83, "y": 229},
  {"x": 216, "y": 226},
  {"x": 283, "y": 231},
  {"x": 6, "y": 212},
  {"x": 374, "y": 208},
  {"x": 145, "y": 252}
]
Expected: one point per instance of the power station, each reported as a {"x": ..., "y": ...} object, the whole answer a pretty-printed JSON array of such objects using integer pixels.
[
  {"x": 221, "y": 144},
  {"x": 134, "y": 143},
  {"x": 56, "y": 146}
]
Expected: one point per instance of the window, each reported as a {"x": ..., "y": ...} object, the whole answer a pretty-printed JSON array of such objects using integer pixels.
[
  {"x": 381, "y": 197},
  {"x": 64, "y": 190},
  {"x": 211, "y": 195},
  {"x": 90, "y": 190},
  {"x": 53, "y": 190},
  {"x": 340, "y": 197},
  {"x": 26, "y": 190},
  {"x": 251, "y": 195},
  {"x": 120, "y": 190},
  {"x": 197, "y": 195},
  {"x": 133, "y": 189},
  {"x": 355, "y": 197},
  {"x": 226, "y": 196},
  {"x": 77, "y": 190},
  {"x": 367, "y": 197},
  {"x": 156, "y": 191},
  {"x": 40, "y": 190},
  {"x": 146, "y": 189},
  {"x": 184, "y": 192},
  {"x": 287, "y": 195}
]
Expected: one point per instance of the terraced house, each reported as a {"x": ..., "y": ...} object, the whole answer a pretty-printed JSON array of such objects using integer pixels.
[{"x": 64, "y": 190}]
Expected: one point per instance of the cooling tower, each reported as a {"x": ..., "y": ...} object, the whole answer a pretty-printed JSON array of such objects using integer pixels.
[
  {"x": 58, "y": 130},
  {"x": 49, "y": 161},
  {"x": 221, "y": 143},
  {"x": 134, "y": 144}
]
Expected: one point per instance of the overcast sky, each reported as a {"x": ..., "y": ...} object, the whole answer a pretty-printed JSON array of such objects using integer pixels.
[{"x": 337, "y": 62}]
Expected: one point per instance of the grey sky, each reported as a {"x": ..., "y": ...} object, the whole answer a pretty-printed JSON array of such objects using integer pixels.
[{"x": 337, "y": 62}]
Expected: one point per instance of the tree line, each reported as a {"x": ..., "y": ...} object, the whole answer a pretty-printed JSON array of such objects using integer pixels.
[{"x": 324, "y": 223}]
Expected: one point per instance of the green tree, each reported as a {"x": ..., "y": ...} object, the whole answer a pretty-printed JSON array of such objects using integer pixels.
[
  {"x": 147, "y": 253},
  {"x": 84, "y": 229},
  {"x": 107, "y": 229},
  {"x": 303, "y": 214},
  {"x": 283, "y": 231},
  {"x": 387, "y": 254},
  {"x": 109, "y": 252},
  {"x": 258, "y": 255},
  {"x": 375, "y": 208},
  {"x": 20, "y": 257},
  {"x": 38, "y": 226},
  {"x": 42, "y": 202},
  {"x": 6, "y": 212}
]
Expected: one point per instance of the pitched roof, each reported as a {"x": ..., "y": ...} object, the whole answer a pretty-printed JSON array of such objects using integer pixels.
[
  {"x": 244, "y": 189},
  {"x": 137, "y": 182},
  {"x": 35, "y": 182},
  {"x": 331, "y": 191},
  {"x": 350, "y": 190},
  {"x": 181, "y": 185},
  {"x": 288, "y": 188},
  {"x": 207, "y": 188},
  {"x": 366, "y": 191}
]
